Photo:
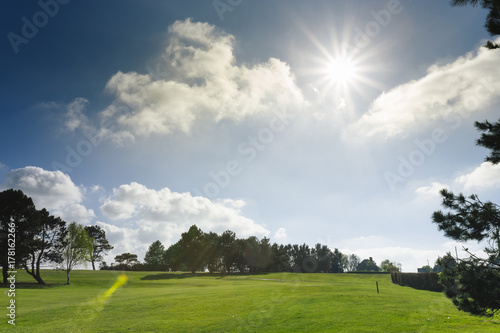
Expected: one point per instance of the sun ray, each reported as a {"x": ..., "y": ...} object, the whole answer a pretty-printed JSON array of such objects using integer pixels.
[{"x": 339, "y": 71}]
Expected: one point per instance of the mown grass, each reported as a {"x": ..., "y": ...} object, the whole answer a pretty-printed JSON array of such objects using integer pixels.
[{"x": 281, "y": 302}]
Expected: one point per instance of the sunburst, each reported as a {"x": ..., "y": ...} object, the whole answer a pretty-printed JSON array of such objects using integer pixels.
[{"x": 339, "y": 72}]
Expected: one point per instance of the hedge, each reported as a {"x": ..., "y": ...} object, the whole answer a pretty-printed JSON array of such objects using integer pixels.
[{"x": 422, "y": 281}]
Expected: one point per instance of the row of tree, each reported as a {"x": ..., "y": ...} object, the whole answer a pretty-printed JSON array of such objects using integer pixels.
[
  {"x": 41, "y": 238},
  {"x": 441, "y": 263},
  {"x": 225, "y": 253},
  {"x": 30, "y": 238}
]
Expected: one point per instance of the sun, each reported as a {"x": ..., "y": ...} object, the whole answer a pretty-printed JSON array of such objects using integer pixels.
[
  {"x": 341, "y": 70},
  {"x": 335, "y": 67}
]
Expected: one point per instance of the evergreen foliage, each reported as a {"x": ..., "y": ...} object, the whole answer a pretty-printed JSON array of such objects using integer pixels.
[
  {"x": 100, "y": 244},
  {"x": 473, "y": 283},
  {"x": 225, "y": 253},
  {"x": 155, "y": 257},
  {"x": 492, "y": 24}
]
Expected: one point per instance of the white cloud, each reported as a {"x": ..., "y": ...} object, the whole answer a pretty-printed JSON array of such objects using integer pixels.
[
  {"x": 75, "y": 118},
  {"x": 410, "y": 258},
  {"x": 467, "y": 85},
  {"x": 123, "y": 240},
  {"x": 96, "y": 188},
  {"x": 486, "y": 175},
  {"x": 372, "y": 246},
  {"x": 431, "y": 191},
  {"x": 164, "y": 214},
  {"x": 52, "y": 190},
  {"x": 202, "y": 82},
  {"x": 280, "y": 234}
]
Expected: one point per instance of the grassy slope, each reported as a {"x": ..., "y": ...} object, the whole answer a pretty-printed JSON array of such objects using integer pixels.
[{"x": 163, "y": 302}]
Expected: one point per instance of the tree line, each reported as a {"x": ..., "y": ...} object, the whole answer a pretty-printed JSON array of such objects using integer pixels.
[
  {"x": 225, "y": 253},
  {"x": 41, "y": 238}
]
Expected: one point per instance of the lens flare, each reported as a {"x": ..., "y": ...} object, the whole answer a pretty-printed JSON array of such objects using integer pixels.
[
  {"x": 90, "y": 309},
  {"x": 120, "y": 281}
]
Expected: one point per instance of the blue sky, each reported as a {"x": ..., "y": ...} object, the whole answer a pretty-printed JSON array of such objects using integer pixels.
[{"x": 323, "y": 121}]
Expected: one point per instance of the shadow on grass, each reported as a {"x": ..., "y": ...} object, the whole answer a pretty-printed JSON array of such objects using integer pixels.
[
  {"x": 27, "y": 285},
  {"x": 170, "y": 276}
]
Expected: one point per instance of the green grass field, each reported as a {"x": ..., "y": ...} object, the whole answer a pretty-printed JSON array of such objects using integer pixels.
[{"x": 281, "y": 302}]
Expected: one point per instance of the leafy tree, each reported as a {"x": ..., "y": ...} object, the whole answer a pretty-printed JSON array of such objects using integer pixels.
[
  {"x": 280, "y": 258},
  {"x": 265, "y": 255},
  {"x": 192, "y": 248},
  {"x": 251, "y": 252},
  {"x": 212, "y": 247},
  {"x": 302, "y": 259},
  {"x": 389, "y": 266},
  {"x": 77, "y": 248},
  {"x": 126, "y": 260},
  {"x": 324, "y": 257},
  {"x": 257, "y": 254},
  {"x": 154, "y": 258},
  {"x": 492, "y": 24},
  {"x": 425, "y": 269},
  {"x": 103, "y": 265},
  {"x": 100, "y": 244},
  {"x": 344, "y": 259},
  {"x": 171, "y": 257},
  {"x": 43, "y": 244},
  {"x": 337, "y": 266},
  {"x": 38, "y": 234},
  {"x": 229, "y": 250},
  {"x": 367, "y": 265},
  {"x": 353, "y": 262},
  {"x": 238, "y": 255},
  {"x": 17, "y": 214},
  {"x": 446, "y": 261}
]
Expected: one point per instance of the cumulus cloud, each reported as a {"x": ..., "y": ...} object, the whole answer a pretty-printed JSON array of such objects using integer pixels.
[
  {"x": 75, "y": 118},
  {"x": 52, "y": 190},
  {"x": 410, "y": 257},
  {"x": 487, "y": 175},
  {"x": 163, "y": 214},
  {"x": 280, "y": 234},
  {"x": 201, "y": 81},
  {"x": 123, "y": 240},
  {"x": 431, "y": 191},
  {"x": 469, "y": 84}
]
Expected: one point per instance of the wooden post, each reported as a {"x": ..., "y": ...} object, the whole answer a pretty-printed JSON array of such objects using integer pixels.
[{"x": 377, "y": 288}]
